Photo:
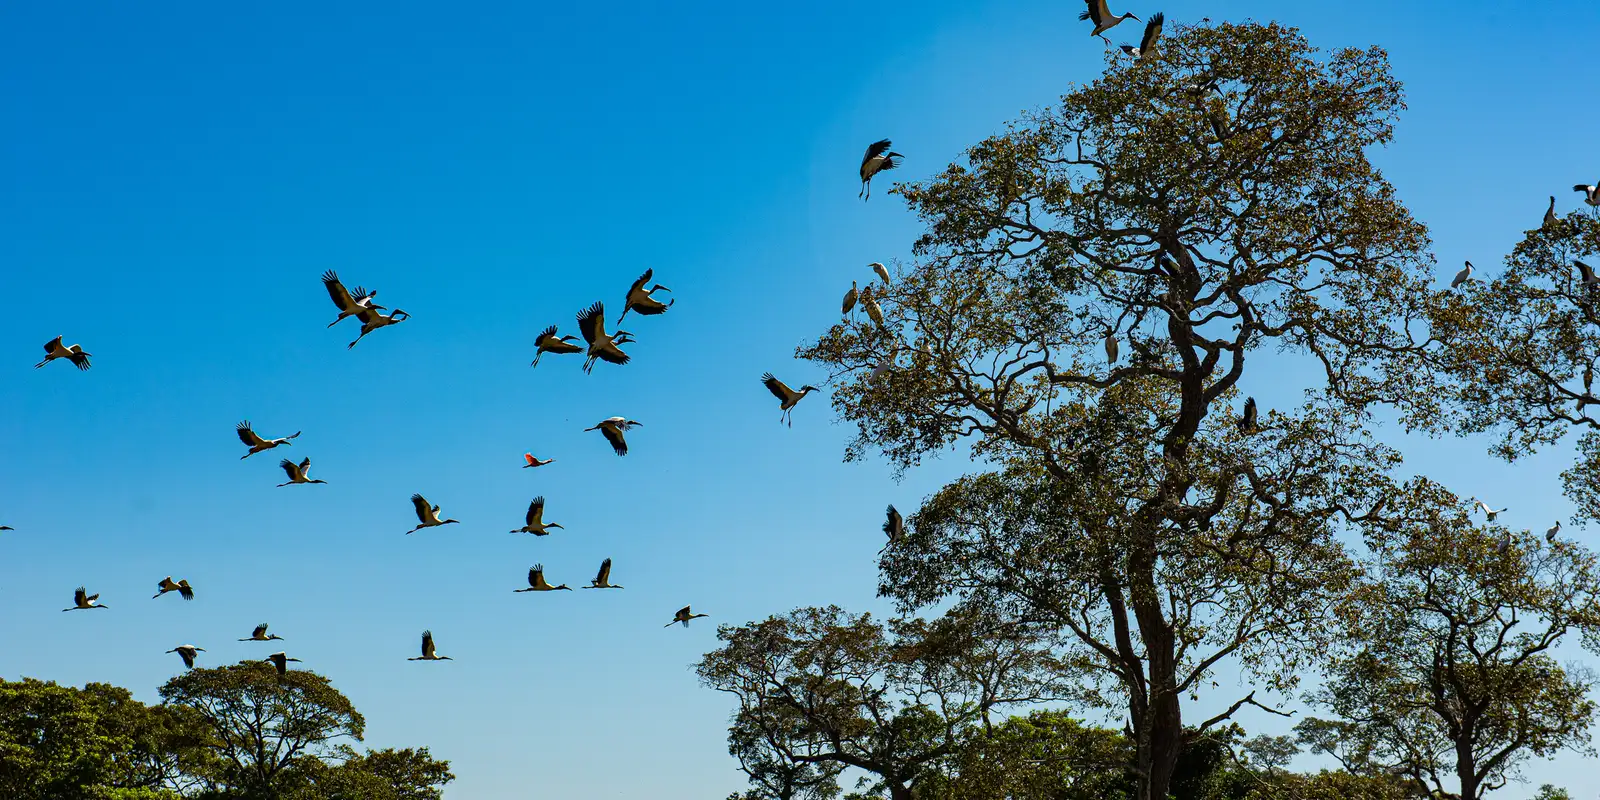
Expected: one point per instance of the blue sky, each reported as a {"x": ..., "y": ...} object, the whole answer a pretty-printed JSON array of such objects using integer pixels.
[{"x": 178, "y": 175}]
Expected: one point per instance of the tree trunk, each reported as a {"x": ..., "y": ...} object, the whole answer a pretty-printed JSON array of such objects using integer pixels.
[
  {"x": 1162, "y": 735},
  {"x": 899, "y": 791},
  {"x": 1467, "y": 765}
]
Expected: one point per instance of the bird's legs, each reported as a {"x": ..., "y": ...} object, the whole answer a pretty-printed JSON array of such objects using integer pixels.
[{"x": 1104, "y": 39}]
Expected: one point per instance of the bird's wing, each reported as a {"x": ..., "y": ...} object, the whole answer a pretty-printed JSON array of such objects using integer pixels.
[
  {"x": 536, "y": 510},
  {"x": 261, "y": 630},
  {"x": 80, "y": 595},
  {"x": 893, "y": 524},
  {"x": 1584, "y": 270},
  {"x": 639, "y": 284},
  {"x": 605, "y": 572},
  {"x": 528, "y": 457},
  {"x": 874, "y": 150},
  {"x": 427, "y": 644},
  {"x": 777, "y": 387},
  {"x": 613, "y": 355},
  {"x": 1152, "y": 32},
  {"x": 1096, "y": 12},
  {"x": 592, "y": 322},
  {"x": 247, "y": 435},
  {"x": 614, "y": 436},
  {"x": 341, "y": 296},
  {"x": 544, "y": 335},
  {"x": 536, "y": 576},
  {"x": 289, "y": 469},
  {"x": 305, "y": 464},
  {"x": 50, "y": 346},
  {"x": 421, "y": 504},
  {"x": 682, "y": 613}
]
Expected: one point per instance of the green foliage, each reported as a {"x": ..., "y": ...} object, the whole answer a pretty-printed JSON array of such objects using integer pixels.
[{"x": 1046, "y": 755}]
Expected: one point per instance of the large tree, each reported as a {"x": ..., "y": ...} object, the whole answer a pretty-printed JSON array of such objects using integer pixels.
[{"x": 1195, "y": 209}]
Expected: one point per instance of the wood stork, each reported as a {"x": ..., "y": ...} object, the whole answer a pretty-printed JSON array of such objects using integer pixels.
[
  {"x": 256, "y": 443},
  {"x": 1103, "y": 19},
  {"x": 297, "y": 472},
  {"x": 894, "y": 526},
  {"x": 869, "y": 304},
  {"x": 613, "y": 429},
  {"x": 883, "y": 272},
  {"x": 53, "y": 350},
  {"x": 1247, "y": 422},
  {"x": 1463, "y": 276},
  {"x": 877, "y": 159},
  {"x": 1505, "y": 544},
  {"x": 372, "y": 320},
  {"x": 602, "y": 346},
  {"x": 1147, "y": 44},
  {"x": 682, "y": 618},
  {"x": 427, "y": 516},
  {"x": 428, "y": 653},
  {"x": 787, "y": 398},
  {"x": 603, "y": 580},
  {"x": 1591, "y": 194},
  {"x": 1489, "y": 513},
  {"x": 1550, "y": 218},
  {"x": 536, "y": 582},
  {"x": 1112, "y": 348},
  {"x": 181, "y": 587},
  {"x": 849, "y": 303},
  {"x": 1551, "y": 532},
  {"x": 81, "y": 599},
  {"x": 548, "y": 342},
  {"x": 535, "y": 519},
  {"x": 350, "y": 304},
  {"x": 260, "y": 635},
  {"x": 639, "y": 298},
  {"x": 281, "y": 661},
  {"x": 1585, "y": 274},
  {"x": 534, "y": 462},
  {"x": 187, "y": 653}
]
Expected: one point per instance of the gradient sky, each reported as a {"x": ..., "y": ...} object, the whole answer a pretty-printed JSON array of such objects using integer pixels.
[{"x": 177, "y": 175}]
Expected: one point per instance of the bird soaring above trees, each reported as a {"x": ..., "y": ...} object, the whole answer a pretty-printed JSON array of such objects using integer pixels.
[
  {"x": 349, "y": 304},
  {"x": 181, "y": 587},
  {"x": 877, "y": 159},
  {"x": 548, "y": 342},
  {"x": 427, "y": 516},
  {"x": 187, "y": 653},
  {"x": 613, "y": 429},
  {"x": 53, "y": 350},
  {"x": 1489, "y": 513},
  {"x": 297, "y": 472},
  {"x": 1147, "y": 44},
  {"x": 535, "y": 519},
  {"x": 1591, "y": 194},
  {"x": 639, "y": 298},
  {"x": 256, "y": 443},
  {"x": 1103, "y": 19},
  {"x": 281, "y": 661},
  {"x": 428, "y": 652},
  {"x": 787, "y": 398},
  {"x": 682, "y": 618},
  {"x": 260, "y": 635}
]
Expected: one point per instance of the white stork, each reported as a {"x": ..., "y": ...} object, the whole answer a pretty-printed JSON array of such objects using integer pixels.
[
  {"x": 602, "y": 346},
  {"x": 187, "y": 653},
  {"x": 53, "y": 350},
  {"x": 1489, "y": 513},
  {"x": 877, "y": 159},
  {"x": 1550, "y": 218},
  {"x": 603, "y": 580},
  {"x": 883, "y": 272},
  {"x": 81, "y": 599},
  {"x": 297, "y": 472},
  {"x": 372, "y": 320},
  {"x": 534, "y": 462},
  {"x": 428, "y": 653},
  {"x": 894, "y": 526},
  {"x": 427, "y": 516},
  {"x": 181, "y": 587},
  {"x": 1591, "y": 194},
  {"x": 849, "y": 303},
  {"x": 536, "y": 582},
  {"x": 548, "y": 342},
  {"x": 787, "y": 398},
  {"x": 682, "y": 618},
  {"x": 281, "y": 661},
  {"x": 1147, "y": 44},
  {"x": 613, "y": 429},
  {"x": 349, "y": 304},
  {"x": 1103, "y": 19},
  {"x": 1463, "y": 276},
  {"x": 1247, "y": 422},
  {"x": 256, "y": 443},
  {"x": 535, "y": 519},
  {"x": 260, "y": 635},
  {"x": 639, "y": 298}
]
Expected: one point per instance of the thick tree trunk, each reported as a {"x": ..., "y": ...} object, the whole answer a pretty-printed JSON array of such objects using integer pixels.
[
  {"x": 1467, "y": 765},
  {"x": 1162, "y": 734}
]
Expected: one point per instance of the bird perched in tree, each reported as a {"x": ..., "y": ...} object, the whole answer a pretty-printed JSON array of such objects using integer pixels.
[
  {"x": 894, "y": 526},
  {"x": 639, "y": 298},
  {"x": 603, "y": 580},
  {"x": 372, "y": 319},
  {"x": 427, "y": 516},
  {"x": 181, "y": 587},
  {"x": 883, "y": 272},
  {"x": 53, "y": 350},
  {"x": 1112, "y": 348},
  {"x": 682, "y": 618},
  {"x": 281, "y": 661},
  {"x": 535, "y": 519},
  {"x": 297, "y": 472},
  {"x": 1505, "y": 544},
  {"x": 869, "y": 304},
  {"x": 602, "y": 346},
  {"x": 536, "y": 582},
  {"x": 260, "y": 635},
  {"x": 1463, "y": 276},
  {"x": 1103, "y": 19},
  {"x": 428, "y": 653},
  {"x": 1489, "y": 513},
  {"x": 613, "y": 429},
  {"x": 548, "y": 342},
  {"x": 1147, "y": 44},
  {"x": 350, "y": 304},
  {"x": 1550, "y": 218},
  {"x": 256, "y": 443},
  {"x": 787, "y": 398},
  {"x": 1591, "y": 194},
  {"x": 849, "y": 303},
  {"x": 81, "y": 599},
  {"x": 1247, "y": 422},
  {"x": 877, "y": 159},
  {"x": 534, "y": 462},
  {"x": 187, "y": 653},
  {"x": 1551, "y": 532}
]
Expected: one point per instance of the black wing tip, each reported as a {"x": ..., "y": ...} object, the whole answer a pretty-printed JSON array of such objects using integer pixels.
[
  {"x": 550, "y": 331},
  {"x": 330, "y": 277},
  {"x": 1156, "y": 19}
]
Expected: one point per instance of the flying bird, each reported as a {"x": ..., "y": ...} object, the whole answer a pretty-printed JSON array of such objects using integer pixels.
[
  {"x": 613, "y": 429},
  {"x": 1585, "y": 274},
  {"x": 260, "y": 635},
  {"x": 787, "y": 398},
  {"x": 883, "y": 272},
  {"x": 1551, "y": 532},
  {"x": 639, "y": 298},
  {"x": 372, "y": 319},
  {"x": 1488, "y": 512},
  {"x": 6, "y": 528},
  {"x": 297, "y": 472},
  {"x": 682, "y": 617},
  {"x": 1247, "y": 422},
  {"x": 1591, "y": 194},
  {"x": 81, "y": 599},
  {"x": 350, "y": 304},
  {"x": 602, "y": 346},
  {"x": 1147, "y": 44},
  {"x": 1550, "y": 218},
  {"x": 256, "y": 443},
  {"x": 428, "y": 653},
  {"x": 53, "y": 350},
  {"x": 877, "y": 159},
  {"x": 1103, "y": 19},
  {"x": 427, "y": 516},
  {"x": 181, "y": 587},
  {"x": 548, "y": 342},
  {"x": 536, "y": 582},
  {"x": 535, "y": 519},
  {"x": 894, "y": 526},
  {"x": 1463, "y": 276},
  {"x": 603, "y": 580},
  {"x": 281, "y": 661},
  {"x": 187, "y": 653},
  {"x": 849, "y": 303},
  {"x": 534, "y": 462}
]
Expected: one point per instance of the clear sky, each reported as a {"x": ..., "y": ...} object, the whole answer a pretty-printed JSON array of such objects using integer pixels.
[{"x": 175, "y": 176}]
